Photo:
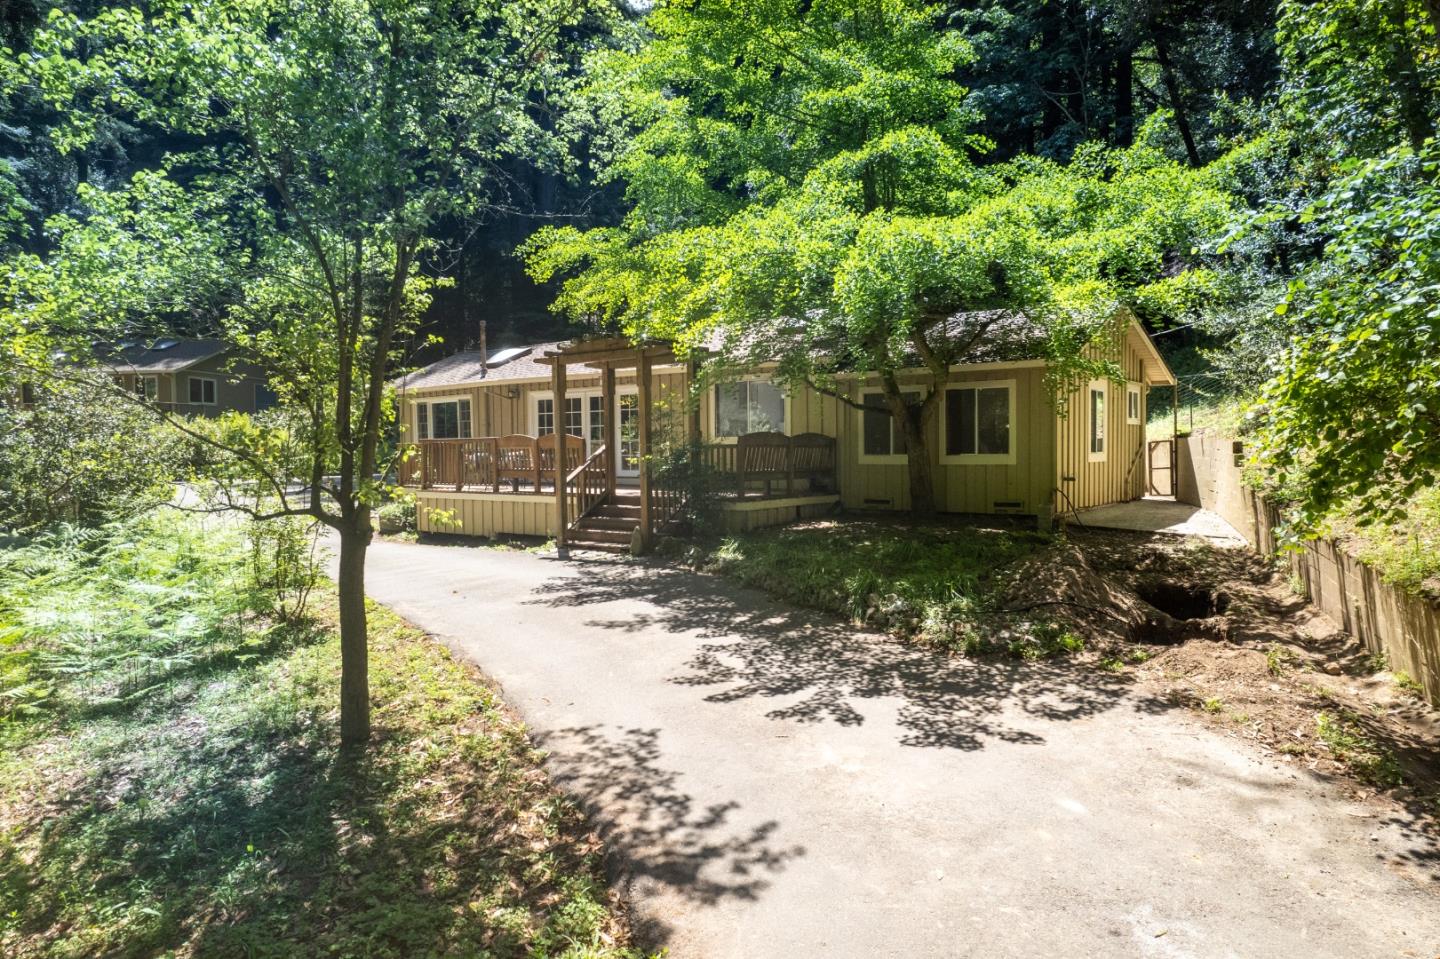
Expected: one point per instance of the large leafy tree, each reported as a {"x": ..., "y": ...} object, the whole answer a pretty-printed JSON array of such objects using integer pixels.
[
  {"x": 328, "y": 141},
  {"x": 803, "y": 183}
]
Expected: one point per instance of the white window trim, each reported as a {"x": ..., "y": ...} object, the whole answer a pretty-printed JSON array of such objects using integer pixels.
[
  {"x": 1104, "y": 387},
  {"x": 214, "y": 391},
  {"x": 752, "y": 378},
  {"x": 979, "y": 459},
  {"x": 1133, "y": 389},
  {"x": 430, "y": 416},
  {"x": 885, "y": 458},
  {"x": 533, "y": 414},
  {"x": 146, "y": 384}
]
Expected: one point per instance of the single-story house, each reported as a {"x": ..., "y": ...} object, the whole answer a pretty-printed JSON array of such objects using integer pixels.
[
  {"x": 484, "y": 433},
  {"x": 201, "y": 377}
]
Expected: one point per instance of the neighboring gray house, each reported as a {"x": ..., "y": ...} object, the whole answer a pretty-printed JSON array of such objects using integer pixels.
[{"x": 200, "y": 377}]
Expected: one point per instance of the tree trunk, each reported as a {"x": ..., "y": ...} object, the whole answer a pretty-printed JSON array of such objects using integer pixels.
[
  {"x": 911, "y": 421},
  {"x": 1406, "y": 77},
  {"x": 1125, "y": 98},
  {"x": 1172, "y": 89},
  {"x": 354, "y": 637}
]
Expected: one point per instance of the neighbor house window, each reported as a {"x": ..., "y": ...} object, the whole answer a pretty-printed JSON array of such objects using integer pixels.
[
  {"x": 1097, "y": 421},
  {"x": 978, "y": 422},
  {"x": 202, "y": 391},
  {"x": 445, "y": 419},
  {"x": 265, "y": 397},
  {"x": 881, "y": 438},
  {"x": 27, "y": 394},
  {"x": 147, "y": 387},
  {"x": 1133, "y": 404},
  {"x": 750, "y": 406}
]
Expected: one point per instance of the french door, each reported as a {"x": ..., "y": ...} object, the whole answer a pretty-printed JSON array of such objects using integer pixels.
[
  {"x": 584, "y": 416},
  {"x": 627, "y": 434}
]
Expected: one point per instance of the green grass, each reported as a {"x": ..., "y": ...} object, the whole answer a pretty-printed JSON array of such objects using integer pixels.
[
  {"x": 1405, "y": 550},
  {"x": 1342, "y": 734},
  {"x": 932, "y": 582},
  {"x": 201, "y": 806}
]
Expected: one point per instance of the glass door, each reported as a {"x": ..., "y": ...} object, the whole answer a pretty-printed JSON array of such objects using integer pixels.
[{"x": 627, "y": 434}]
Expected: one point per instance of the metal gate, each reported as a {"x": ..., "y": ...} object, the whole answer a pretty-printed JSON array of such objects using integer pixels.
[{"x": 1160, "y": 477}]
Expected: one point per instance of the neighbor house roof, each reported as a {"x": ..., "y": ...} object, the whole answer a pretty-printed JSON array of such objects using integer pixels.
[{"x": 165, "y": 355}]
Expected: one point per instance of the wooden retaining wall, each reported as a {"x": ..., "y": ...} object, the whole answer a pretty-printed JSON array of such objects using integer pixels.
[{"x": 1406, "y": 628}]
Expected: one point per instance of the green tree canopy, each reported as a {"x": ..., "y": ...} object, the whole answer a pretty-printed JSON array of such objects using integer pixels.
[
  {"x": 327, "y": 143},
  {"x": 803, "y": 183}
]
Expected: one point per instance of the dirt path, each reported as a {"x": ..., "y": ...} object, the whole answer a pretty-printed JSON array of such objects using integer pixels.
[{"x": 777, "y": 784}]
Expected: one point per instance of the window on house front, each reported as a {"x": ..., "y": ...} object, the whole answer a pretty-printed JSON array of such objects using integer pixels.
[
  {"x": 750, "y": 406},
  {"x": 443, "y": 419},
  {"x": 1133, "y": 407},
  {"x": 880, "y": 435},
  {"x": 1097, "y": 421},
  {"x": 544, "y": 416},
  {"x": 978, "y": 422},
  {"x": 265, "y": 397},
  {"x": 202, "y": 391},
  {"x": 574, "y": 416},
  {"x": 147, "y": 387}
]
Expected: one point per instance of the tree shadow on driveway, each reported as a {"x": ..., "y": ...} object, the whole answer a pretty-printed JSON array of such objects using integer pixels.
[
  {"x": 662, "y": 835},
  {"x": 820, "y": 670}
]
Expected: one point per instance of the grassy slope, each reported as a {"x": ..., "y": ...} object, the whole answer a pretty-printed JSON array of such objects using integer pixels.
[
  {"x": 926, "y": 580},
  {"x": 213, "y": 814}
]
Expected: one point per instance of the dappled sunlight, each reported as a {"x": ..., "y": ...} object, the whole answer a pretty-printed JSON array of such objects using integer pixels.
[{"x": 809, "y": 668}]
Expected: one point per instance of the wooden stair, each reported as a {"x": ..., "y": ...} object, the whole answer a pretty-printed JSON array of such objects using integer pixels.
[{"x": 609, "y": 528}]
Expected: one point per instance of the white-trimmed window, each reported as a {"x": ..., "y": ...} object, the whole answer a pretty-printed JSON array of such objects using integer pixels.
[
  {"x": 1095, "y": 410},
  {"x": 977, "y": 423},
  {"x": 749, "y": 406},
  {"x": 882, "y": 440},
  {"x": 202, "y": 391},
  {"x": 574, "y": 415},
  {"x": 1134, "y": 404},
  {"x": 443, "y": 418},
  {"x": 147, "y": 387}
]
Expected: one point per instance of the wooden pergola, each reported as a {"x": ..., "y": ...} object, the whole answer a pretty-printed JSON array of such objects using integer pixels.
[{"x": 611, "y": 354}]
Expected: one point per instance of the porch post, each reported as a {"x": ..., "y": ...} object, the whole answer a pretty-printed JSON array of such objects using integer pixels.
[
  {"x": 642, "y": 388},
  {"x": 561, "y": 521},
  {"x": 612, "y": 430}
]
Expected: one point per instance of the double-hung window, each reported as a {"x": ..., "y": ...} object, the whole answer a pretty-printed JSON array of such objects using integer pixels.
[
  {"x": 573, "y": 421},
  {"x": 978, "y": 423},
  {"x": 749, "y": 406},
  {"x": 443, "y": 419},
  {"x": 1096, "y": 414},
  {"x": 882, "y": 440},
  {"x": 1134, "y": 405},
  {"x": 202, "y": 391},
  {"x": 147, "y": 387}
]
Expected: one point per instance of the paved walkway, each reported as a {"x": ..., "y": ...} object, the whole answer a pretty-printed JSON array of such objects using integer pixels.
[
  {"x": 1162, "y": 514},
  {"x": 781, "y": 786}
]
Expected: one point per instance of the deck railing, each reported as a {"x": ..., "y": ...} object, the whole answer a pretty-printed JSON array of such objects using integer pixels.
[{"x": 485, "y": 462}]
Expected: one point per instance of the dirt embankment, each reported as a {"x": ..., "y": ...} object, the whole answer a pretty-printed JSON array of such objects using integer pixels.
[{"x": 1221, "y": 631}]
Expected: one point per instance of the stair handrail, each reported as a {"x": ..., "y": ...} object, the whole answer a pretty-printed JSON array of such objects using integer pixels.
[{"x": 586, "y": 486}]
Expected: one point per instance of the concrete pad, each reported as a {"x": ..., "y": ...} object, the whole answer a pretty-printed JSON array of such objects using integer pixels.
[
  {"x": 1157, "y": 514},
  {"x": 778, "y": 785}
]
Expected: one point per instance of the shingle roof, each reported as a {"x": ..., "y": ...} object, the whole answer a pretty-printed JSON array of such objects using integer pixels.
[
  {"x": 155, "y": 356},
  {"x": 467, "y": 367}
]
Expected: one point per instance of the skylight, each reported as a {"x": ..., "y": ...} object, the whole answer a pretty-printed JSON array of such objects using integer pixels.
[
  {"x": 165, "y": 345},
  {"x": 505, "y": 356}
]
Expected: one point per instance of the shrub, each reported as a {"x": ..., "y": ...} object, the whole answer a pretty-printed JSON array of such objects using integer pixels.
[
  {"x": 282, "y": 567},
  {"x": 82, "y": 455}
]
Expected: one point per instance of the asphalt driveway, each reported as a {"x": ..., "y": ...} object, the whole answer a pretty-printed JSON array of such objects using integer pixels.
[{"x": 777, "y": 784}]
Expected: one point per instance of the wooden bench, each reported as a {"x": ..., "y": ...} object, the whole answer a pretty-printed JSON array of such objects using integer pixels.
[{"x": 772, "y": 456}]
